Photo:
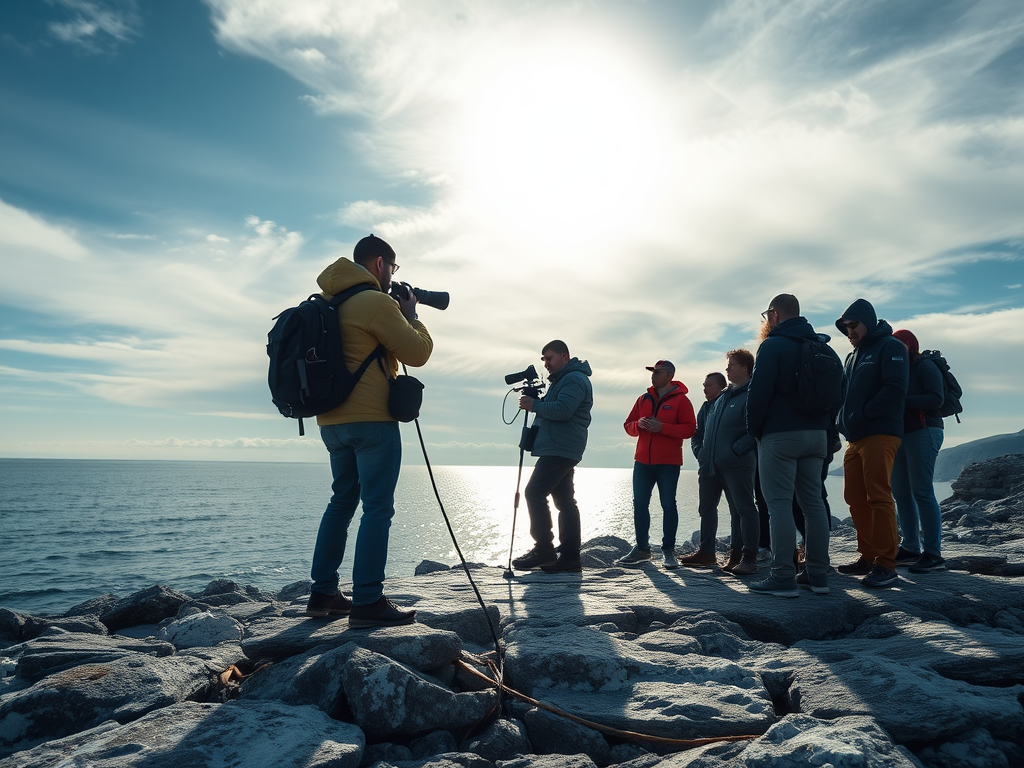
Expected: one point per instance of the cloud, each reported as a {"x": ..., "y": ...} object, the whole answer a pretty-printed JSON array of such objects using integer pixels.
[{"x": 95, "y": 25}]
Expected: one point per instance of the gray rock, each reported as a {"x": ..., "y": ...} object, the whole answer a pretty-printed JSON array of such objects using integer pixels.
[
  {"x": 386, "y": 753},
  {"x": 429, "y": 566},
  {"x": 436, "y": 743},
  {"x": 548, "y": 761},
  {"x": 418, "y": 646},
  {"x": 800, "y": 740},
  {"x": 94, "y": 606},
  {"x": 466, "y": 620},
  {"x": 294, "y": 590},
  {"x": 951, "y": 651},
  {"x": 314, "y": 677},
  {"x": 57, "y": 650},
  {"x": 974, "y": 749},
  {"x": 388, "y": 699},
  {"x": 502, "y": 740},
  {"x": 896, "y": 694},
  {"x": 445, "y": 760},
  {"x": 621, "y": 684},
  {"x": 202, "y": 630},
  {"x": 190, "y": 735},
  {"x": 551, "y": 734},
  {"x": 85, "y": 696},
  {"x": 148, "y": 606},
  {"x": 17, "y": 627}
]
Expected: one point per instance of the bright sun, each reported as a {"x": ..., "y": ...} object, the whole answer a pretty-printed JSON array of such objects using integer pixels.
[{"x": 564, "y": 137}]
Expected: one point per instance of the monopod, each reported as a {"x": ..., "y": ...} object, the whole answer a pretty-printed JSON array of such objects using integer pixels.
[{"x": 532, "y": 389}]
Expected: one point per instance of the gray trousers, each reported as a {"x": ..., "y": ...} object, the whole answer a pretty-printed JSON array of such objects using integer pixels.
[{"x": 790, "y": 463}]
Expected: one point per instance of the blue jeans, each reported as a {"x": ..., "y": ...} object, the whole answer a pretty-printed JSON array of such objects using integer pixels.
[
  {"x": 789, "y": 464},
  {"x": 913, "y": 475},
  {"x": 365, "y": 459},
  {"x": 645, "y": 477}
]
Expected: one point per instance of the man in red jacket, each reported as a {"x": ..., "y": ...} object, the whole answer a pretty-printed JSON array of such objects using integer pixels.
[{"x": 661, "y": 419}]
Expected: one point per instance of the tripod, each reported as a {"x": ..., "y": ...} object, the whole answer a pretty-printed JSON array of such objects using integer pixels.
[{"x": 525, "y": 443}]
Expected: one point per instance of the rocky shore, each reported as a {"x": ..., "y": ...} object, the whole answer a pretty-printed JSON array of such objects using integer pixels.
[{"x": 646, "y": 660}]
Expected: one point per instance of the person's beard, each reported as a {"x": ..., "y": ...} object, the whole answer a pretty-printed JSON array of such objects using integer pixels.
[{"x": 763, "y": 331}]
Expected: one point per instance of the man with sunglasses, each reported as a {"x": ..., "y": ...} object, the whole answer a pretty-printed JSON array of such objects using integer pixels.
[
  {"x": 871, "y": 419},
  {"x": 363, "y": 438},
  {"x": 791, "y": 448}
]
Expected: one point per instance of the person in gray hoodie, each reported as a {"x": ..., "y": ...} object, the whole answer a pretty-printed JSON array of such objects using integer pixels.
[
  {"x": 871, "y": 419},
  {"x": 562, "y": 419}
]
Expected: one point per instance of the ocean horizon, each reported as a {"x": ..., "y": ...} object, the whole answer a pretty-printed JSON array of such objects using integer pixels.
[{"x": 77, "y": 528}]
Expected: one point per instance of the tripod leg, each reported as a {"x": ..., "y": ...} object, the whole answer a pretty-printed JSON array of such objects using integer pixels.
[{"x": 515, "y": 503}]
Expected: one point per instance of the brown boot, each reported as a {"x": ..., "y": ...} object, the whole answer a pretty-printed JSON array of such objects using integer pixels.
[
  {"x": 699, "y": 558},
  {"x": 735, "y": 556},
  {"x": 745, "y": 567}
]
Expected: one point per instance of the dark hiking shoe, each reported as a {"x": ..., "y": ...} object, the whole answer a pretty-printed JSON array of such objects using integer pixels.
[
  {"x": 906, "y": 557},
  {"x": 928, "y": 563},
  {"x": 747, "y": 566},
  {"x": 320, "y": 605},
  {"x": 382, "y": 613},
  {"x": 668, "y": 559},
  {"x": 536, "y": 558},
  {"x": 817, "y": 584},
  {"x": 858, "y": 567},
  {"x": 772, "y": 586},
  {"x": 635, "y": 556},
  {"x": 880, "y": 577},
  {"x": 734, "y": 559},
  {"x": 564, "y": 564},
  {"x": 699, "y": 558}
]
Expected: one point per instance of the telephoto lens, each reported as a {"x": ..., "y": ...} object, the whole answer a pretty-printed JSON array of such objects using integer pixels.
[{"x": 435, "y": 299}]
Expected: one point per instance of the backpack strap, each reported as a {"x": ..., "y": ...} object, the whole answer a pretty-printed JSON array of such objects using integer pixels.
[{"x": 339, "y": 299}]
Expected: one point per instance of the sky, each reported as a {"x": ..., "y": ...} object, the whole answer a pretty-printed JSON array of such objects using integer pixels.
[{"x": 636, "y": 178}]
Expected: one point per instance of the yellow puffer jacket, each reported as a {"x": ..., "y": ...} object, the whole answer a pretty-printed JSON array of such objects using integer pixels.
[{"x": 367, "y": 319}]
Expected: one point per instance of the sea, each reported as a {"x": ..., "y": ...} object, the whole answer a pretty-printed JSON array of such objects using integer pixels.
[{"x": 74, "y": 529}]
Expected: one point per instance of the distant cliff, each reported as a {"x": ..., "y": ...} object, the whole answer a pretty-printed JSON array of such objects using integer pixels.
[{"x": 951, "y": 461}]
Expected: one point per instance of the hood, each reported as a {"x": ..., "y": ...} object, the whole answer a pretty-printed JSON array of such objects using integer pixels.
[
  {"x": 734, "y": 390},
  {"x": 575, "y": 364},
  {"x": 861, "y": 311},
  {"x": 795, "y": 327},
  {"x": 344, "y": 274},
  {"x": 677, "y": 388}
]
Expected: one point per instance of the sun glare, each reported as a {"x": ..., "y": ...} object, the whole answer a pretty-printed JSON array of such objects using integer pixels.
[{"x": 561, "y": 138}]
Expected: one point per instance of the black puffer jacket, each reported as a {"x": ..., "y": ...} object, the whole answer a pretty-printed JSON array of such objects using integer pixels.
[
  {"x": 876, "y": 378},
  {"x": 770, "y": 395}
]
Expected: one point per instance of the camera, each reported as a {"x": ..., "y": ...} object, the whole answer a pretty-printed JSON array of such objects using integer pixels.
[
  {"x": 435, "y": 299},
  {"x": 530, "y": 380}
]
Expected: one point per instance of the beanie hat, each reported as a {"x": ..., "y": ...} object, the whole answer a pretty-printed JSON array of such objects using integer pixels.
[{"x": 910, "y": 340}]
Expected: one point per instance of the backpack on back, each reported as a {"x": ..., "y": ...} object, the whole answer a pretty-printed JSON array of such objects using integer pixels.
[
  {"x": 951, "y": 389},
  {"x": 307, "y": 373},
  {"x": 819, "y": 378}
]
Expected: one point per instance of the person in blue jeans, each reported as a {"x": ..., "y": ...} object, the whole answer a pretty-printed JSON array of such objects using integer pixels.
[
  {"x": 363, "y": 439},
  {"x": 913, "y": 471}
]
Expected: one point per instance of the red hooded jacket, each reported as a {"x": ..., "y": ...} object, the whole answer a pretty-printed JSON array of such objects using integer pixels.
[{"x": 675, "y": 412}]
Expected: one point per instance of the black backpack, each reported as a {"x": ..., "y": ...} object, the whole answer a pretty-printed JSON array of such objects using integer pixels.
[
  {"x": 819, "y": 379},
  {"x": 307, "y": 374},
  {"x": 951, "y": 389}
]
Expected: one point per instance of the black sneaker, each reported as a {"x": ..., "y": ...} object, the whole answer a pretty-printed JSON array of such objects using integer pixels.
[
  {"x": 817, "y": 584},
  {"x": 880, "y": 577},
  {"x": 906, "y": 557},
  {"x": 564, "y": 564},
  {"x": 928, "y": 563},
  {"x": 858, "y": 567},
  {"x": 383, "y": 613},
  {"x": 536, "y": 558},
  {"x": 320, "y": 605}
]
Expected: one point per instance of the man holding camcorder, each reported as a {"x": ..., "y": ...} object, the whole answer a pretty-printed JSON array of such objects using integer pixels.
[{"x": 562, "y": 418}]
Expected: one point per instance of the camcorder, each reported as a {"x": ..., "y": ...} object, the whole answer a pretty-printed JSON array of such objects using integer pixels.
[
  {"x": 435, "y": 299},
  {"x": 530, "y": 382}
]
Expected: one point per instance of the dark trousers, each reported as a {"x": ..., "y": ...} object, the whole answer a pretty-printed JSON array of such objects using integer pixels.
[{"x": 552, "y": 476}]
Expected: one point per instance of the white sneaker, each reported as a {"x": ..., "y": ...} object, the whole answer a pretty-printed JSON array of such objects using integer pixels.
[{"x": 669, "y": 559}]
